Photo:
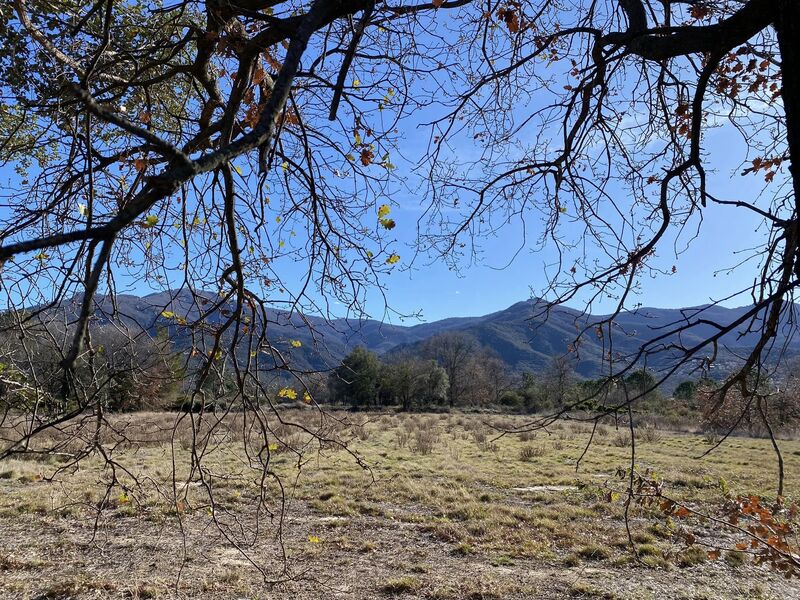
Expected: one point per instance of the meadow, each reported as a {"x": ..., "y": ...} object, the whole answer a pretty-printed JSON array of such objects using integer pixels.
[{"x": 434, "y": 506}]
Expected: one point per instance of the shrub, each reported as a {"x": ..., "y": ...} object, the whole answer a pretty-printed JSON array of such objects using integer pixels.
[
  {"x": 594, "y": 552},
  {"x": 424, "y": 441},
  {"x": 362, "y": 432},
  {"x": 479, "y": 435},
  {"x": 648, "y": 550},
  {"x": 400, "y": 585},
  {"x": 692, "y": 556},
  {"x": 529, "y": 452},
  {"x": 402, "y": 438},
  {"x": 649, "y": 434},
  {"x": 735, "y": 559},
  {"x": 621, "y": 439},
  {"x": 512, "y": 400}
]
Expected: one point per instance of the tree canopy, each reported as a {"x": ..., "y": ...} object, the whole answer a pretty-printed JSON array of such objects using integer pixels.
[{"x": 206, "y": 145}]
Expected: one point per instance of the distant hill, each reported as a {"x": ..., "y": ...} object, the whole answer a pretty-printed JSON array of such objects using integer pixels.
[{"x": 522, "y": 335}]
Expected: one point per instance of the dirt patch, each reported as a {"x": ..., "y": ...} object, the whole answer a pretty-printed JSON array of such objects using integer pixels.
[{"x": 546, "y": 488}]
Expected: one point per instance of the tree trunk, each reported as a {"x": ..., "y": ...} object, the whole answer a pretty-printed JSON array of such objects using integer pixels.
[{"x": 787, "y": 25}]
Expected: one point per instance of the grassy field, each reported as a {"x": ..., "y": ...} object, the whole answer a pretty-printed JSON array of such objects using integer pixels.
[{"x": 419, "y": 506}]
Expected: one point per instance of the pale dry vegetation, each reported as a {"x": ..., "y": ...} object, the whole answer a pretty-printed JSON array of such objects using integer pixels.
[{"x": 443, "y": 507}]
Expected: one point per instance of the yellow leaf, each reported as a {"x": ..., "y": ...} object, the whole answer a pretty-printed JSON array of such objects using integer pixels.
[
  {"x": 306, "y": 398},
  {"x": 287, "y": 393},
  {"x": 313, "y": 539},
  {"x": 285, "y": 166},
  {"x": 383, "y": 210},
  {"x": 167, "y": 314},
  {"x": 238, "y": 170},
  {"x": 393, "y": 258},
  {"x": 388, "y": 223},
  {"x": 42, "y": 256},
  {"x": 356, "y": 83},
  {"x": 150, "y": 221},
  {"x": 295, "y": 343}
]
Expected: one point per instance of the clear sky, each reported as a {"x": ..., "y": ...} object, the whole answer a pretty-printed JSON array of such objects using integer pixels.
[
  {"x": 702, "y": 273},
  {"x": 428, "y": 287}
]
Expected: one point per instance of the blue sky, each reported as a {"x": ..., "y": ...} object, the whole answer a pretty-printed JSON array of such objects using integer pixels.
[
  {"x": 429, "y": 287},
  {"x": 702, "y": 274}
]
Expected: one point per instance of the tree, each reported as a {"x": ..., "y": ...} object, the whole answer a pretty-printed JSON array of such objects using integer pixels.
[
  {"x": 356, "y": 380},
  {"x": 497, "y": 376},
  {"x": 685, "y": 390},
  {"x": 558, "y": 382},
  {"x": 410, "y": 380},
  {"x": 641, "y": 383},
  {"x": 452, "y": 351},
  {"x": 141, "y": 373},
  {"x": 434, "y": 384}
]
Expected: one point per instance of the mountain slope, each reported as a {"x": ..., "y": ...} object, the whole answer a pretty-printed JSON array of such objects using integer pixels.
[{"x": 522, "y": 335}]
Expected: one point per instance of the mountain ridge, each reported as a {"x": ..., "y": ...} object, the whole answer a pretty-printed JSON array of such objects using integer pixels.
[{"x": 521, "y": 335}]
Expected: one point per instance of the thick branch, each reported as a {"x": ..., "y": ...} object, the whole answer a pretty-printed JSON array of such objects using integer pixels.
[{"x": 664, "y": 43}]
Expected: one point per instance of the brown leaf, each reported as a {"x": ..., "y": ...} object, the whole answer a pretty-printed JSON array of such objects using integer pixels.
[
  {"x": 366, "y": 156},
  {"x": 258, "y": 76}
]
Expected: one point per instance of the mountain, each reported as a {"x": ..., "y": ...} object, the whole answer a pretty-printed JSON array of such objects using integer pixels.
[{"x": 525, "y": 335}]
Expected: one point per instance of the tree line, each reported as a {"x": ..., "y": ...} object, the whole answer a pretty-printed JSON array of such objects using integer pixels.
[{"x": 451, "y": 370}]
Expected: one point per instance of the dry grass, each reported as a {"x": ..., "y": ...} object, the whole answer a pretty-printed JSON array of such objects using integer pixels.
[{"x": 444, "y": 510}]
